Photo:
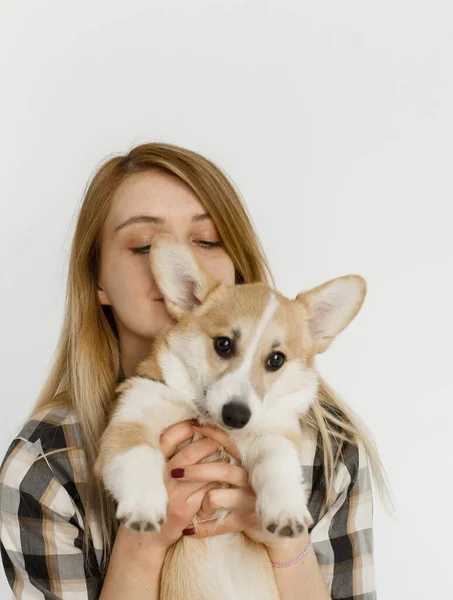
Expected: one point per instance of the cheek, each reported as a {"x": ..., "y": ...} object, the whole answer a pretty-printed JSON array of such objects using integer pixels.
[
  {"x": 227, "y": 275},
  {"x": 220, "y": 268},
  {"x": 129, "y": 280},
  {"x": 129, "y": 283},
  {"x": 294, "y": 390}
]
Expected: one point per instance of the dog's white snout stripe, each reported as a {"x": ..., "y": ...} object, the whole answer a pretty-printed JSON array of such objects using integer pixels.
[
  {"x": 238, "y": 383},
  {"x": 262, "y": 324}
]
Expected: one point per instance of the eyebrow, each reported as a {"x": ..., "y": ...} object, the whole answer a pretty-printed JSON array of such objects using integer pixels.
[{"x": 157, "y": 220}]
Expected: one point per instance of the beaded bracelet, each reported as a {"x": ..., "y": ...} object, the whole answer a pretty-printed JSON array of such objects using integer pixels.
[{"x": 295, "y": 560}]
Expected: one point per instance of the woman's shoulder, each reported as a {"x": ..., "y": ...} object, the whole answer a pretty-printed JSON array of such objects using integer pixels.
[
  {"x": 52, "y": 428},
  {"x": 45, "y": 455},
  {"x": 43, "y": 482}
]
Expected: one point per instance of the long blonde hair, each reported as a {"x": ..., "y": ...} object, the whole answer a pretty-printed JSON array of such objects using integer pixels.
[{"x": 86, "y": 362}]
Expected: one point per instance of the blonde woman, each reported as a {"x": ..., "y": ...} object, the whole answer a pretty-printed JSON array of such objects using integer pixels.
[{"x": 59, "y": 535}]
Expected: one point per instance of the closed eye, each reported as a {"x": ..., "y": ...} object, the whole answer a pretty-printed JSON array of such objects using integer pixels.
[
  {"x": 202, "y": 243},
  {"x": 141, "y": 249},
  {"x": 208, "y": 245}
]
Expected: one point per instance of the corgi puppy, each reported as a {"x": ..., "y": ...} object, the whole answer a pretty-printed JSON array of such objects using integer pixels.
[{"x": 240, "y": 357}]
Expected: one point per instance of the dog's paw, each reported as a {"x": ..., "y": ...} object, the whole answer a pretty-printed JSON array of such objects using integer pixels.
[
  {"x": 146, "y": 511},
  {"x": 288, "y": 517},
  {"x": 287, "y": 525}
]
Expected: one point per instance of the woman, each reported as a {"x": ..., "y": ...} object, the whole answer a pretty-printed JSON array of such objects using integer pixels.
[{"x": 59, "y": 535}]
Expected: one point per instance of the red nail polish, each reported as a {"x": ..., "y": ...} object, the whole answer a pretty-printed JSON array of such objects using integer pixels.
[
  {"x": 188, "y": 531},
  {"x": 177, "y": 473},
  {"x": 195, "y": 422}
]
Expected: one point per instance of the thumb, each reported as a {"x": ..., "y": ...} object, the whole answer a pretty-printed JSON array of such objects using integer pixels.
[
  {"x": 194, "y": 501},
  {"x": 233, "y": 522}
]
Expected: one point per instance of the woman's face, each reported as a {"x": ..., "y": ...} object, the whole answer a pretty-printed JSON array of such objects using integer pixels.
[{"x": 144, "y": 205}]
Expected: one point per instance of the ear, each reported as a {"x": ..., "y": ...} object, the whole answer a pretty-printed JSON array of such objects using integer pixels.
[
  {"x": 181, "y": 280},
  {"x": 103, "y": 298},
  {"x": 331, "y": 307}
]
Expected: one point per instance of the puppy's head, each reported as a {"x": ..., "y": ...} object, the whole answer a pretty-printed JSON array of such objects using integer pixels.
[{"x": 252, "y": 347}]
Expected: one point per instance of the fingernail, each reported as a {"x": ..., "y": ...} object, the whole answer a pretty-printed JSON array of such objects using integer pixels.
[
  {"x": 188, "y": 531},
  {"x": 177, "y": 473},
  {"x": 195, "y": 423}
]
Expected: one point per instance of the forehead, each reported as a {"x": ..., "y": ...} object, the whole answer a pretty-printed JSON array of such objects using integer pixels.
[
  {"x": 155, "y": 193},
  {"x": 238, "y": 311}
]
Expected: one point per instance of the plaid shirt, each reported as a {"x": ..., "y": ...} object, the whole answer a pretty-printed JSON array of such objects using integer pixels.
[{"x": 42, "y": 516}]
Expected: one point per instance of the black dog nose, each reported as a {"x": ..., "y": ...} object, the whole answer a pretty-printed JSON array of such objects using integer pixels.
[{"x": 236, "y": 415}]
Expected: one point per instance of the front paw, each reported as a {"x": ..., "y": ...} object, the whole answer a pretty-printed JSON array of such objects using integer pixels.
[
  {"x": 285, "y": 516},
  {"x": 145, "y": 510}
]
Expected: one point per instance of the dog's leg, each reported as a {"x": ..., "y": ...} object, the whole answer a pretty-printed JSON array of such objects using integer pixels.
[
  {"x": 130, "y": 462},
  {"x": 275, "y": 475}
]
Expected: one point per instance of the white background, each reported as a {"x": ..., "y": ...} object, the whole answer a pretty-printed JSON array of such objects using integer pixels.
[{"x": 335, "y": 120}]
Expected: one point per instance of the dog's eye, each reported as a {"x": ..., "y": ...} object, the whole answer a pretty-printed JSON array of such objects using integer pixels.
[
  {"x": 223, "y": 346},
  {"x": 275, "y": 361}
]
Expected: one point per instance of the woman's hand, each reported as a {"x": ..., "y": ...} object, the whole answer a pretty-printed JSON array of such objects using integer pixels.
[
  {"x": 184, "y": 498},
  {"x": 141, "y": 555},
  {"x": 239, "y": 500}
]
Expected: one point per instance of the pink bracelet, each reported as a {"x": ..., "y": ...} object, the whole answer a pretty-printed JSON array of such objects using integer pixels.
[{"x": 295, "y": 560}]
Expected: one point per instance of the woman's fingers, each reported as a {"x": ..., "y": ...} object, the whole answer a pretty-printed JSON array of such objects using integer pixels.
[
  {"x": 193, "y": 453},
  {"x": 214, "y": 471},
  {"x": 184, "y": 431},
  {"x": 175, "y": 435},
  {"x": 233, "y": 499},
  {"x": 181, "y": 491},
  {"x": 221, "y": 437},
  {"x": 233, "y": 522},
  {"x": 185, "y": 509}
]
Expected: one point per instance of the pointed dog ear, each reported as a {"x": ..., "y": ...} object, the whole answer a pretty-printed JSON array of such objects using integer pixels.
[
  {"x": 331, "y": 307},
  {"x": 184, "y": 285}
]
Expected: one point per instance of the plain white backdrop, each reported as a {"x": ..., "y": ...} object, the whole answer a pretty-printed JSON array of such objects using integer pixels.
[{"x": 335, "y": 120}]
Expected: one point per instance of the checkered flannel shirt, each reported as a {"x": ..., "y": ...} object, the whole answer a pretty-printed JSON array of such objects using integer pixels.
[{"x": 42, "y": 516}]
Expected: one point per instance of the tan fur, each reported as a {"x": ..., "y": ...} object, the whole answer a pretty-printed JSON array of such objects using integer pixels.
[
  {"x": 188, "y": 557},
  {"x": 197, "y": 291},
  {"x": 289, "y": 326},
  {"x": 243, "y": 311},
  {"x": 150, "y": 367},
  {"x": 322, "y": 344},
  {"x": 287, "y": 333},
  {"x": 119, "y": 438}
]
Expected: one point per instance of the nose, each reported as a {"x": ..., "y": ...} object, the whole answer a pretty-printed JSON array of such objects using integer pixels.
[{"x": 236, "y": 414}]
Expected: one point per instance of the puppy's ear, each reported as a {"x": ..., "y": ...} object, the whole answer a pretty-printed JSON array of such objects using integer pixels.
[
  {"x": 331, "y": 307},
  {"x": 184, "y": 285}
]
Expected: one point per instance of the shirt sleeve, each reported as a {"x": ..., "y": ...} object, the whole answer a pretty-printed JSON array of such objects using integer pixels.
[
  {"x": 41, "y": 532},
  {"x": 343, "y": 538}
]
